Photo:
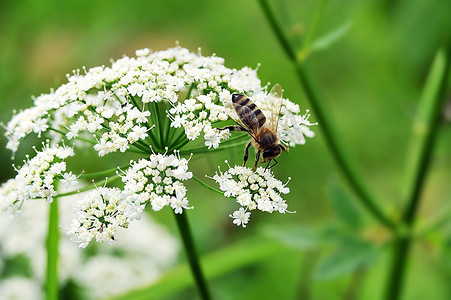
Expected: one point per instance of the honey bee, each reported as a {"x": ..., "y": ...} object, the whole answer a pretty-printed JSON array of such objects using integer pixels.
[{"x": 263, "y": 132}]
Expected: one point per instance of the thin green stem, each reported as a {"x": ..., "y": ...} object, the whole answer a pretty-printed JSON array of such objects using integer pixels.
[
  {"x": 181, "y": 141},
  {"x": 103, "y": 173},
  {"x": 135, "y": 103},
  {"x": 208, "y": 187},
  {"x": 235, "y": 138},
  {"x": 167, "y": 125},
  {"x": 152, "y": 122},
  {"x": 333, "y": 141},
  {"x": 89, "y": 187},
  {"x": 77, "y": 138},
  {"x": 283, "y": 40},
  {"x": 206, "y": 150},
  {"x": 52, "y": 243},
  {"x": 193, "y": 258},
  {"x": 425, "y": 132},
  {"x": 158, "y": 123}
]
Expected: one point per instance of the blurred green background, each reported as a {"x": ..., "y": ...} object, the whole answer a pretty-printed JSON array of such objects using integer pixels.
[{"x": 371, "y": 78}]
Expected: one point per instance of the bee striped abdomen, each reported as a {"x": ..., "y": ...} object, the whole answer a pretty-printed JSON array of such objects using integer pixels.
[{"x": 248, "y": 112}]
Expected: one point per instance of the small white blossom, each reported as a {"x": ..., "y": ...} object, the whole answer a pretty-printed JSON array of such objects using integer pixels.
[
  {"x": 69, "y": 179},
  {"x": 240, "y": 217}
]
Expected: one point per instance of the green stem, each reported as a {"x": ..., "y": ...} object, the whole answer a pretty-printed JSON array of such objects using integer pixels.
[
  {"x": 52, "y": 242},
  {"x": 206, "y": 150},
  {"x": 208, "y": 187},
  {"x": 77, "y": 138},
  {"x": 181, "y": 141},
  {"x": 89, "y": 187},
  {"x": 152, "y": 122},
  {"x": 332, "y": 139},
  {"x": 104, "y": 173},
  {"x": 283, "y": 40},
  {"x": 193, "y": 258},
  {"x": 167, "y": 125},
  {"x": 135, "y": 103},
  {"x": 425, "y": 132},
  {"x": 158, "y": 124}
]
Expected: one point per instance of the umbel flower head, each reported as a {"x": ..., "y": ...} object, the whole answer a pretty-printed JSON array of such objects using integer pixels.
[{"x": 152, "y": 104}]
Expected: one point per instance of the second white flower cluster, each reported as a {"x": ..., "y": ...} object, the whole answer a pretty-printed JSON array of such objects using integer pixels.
[{"x": 252, "y": 190}]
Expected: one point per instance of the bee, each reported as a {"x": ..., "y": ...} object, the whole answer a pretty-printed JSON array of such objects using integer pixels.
[{"x": 263, "y": 131}]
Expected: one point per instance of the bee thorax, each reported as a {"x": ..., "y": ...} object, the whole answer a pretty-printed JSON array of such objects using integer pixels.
[{"x": 267, "y": 138}]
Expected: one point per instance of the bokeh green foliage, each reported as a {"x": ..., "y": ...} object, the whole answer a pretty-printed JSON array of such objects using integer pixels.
[{"x": 372, "y": 78}]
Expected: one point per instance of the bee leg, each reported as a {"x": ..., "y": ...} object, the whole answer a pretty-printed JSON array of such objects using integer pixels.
[
  {"x": 268, "y": 167},
  {"x": 234, "y": 128},
  {"x": 286, "y": 149},
  {"x": 257, "y": 157},
  {"x": 246, "y": 153},
  {"x": 275, "y": 163}
]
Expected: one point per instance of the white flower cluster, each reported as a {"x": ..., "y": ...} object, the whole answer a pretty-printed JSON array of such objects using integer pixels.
[
  {"x": 252, "y": 190},
  {"x": 158, "y": 180},
  {"x": 114, "y": 103},
  {"x": 100, "y": 213},
  {"x": 118, "y": 108},
  {"x": 35, "y": 179},
  {"x": 98, "y": 274}
]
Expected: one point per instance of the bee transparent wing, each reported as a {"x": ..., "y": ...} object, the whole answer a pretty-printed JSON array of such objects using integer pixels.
[
  {"x": 276, "y": 99},
  {"x": 230, "y": 110}
]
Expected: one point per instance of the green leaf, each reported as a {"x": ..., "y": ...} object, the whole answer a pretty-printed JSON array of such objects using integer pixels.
[
  {"x": 346, "y": 259},
  {"x": 224, "y": 261},
  {"x": 344, "y": 208},
  {"x": 325, "y": 41},
  {"x": 424, "y": 130},
  {"x": 296, "y": 236}
]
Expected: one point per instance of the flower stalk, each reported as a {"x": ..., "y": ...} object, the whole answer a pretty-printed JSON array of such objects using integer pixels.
[
  {"x": 52, "y": 243},
  {"x": 192, "y": 255}
]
